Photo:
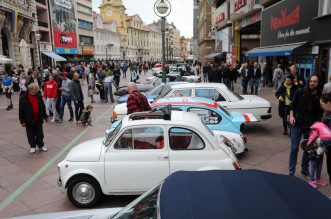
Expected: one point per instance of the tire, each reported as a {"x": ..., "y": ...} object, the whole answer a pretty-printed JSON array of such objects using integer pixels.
[{"x": 91, "y": 197}]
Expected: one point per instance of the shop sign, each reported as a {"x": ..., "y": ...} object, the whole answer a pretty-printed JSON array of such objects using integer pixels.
[
  {"x": 87, "y": 51},
  {"x": 66, "y": 51},
  {"x": 221, "y": 15},
  {"x": 64, "y": 23},
  {"x": 239, "y": 8},
  {"x": 248, "y": 20},
  {"x": 234, "y": 61},
  {"x": 290, "y": 21}
]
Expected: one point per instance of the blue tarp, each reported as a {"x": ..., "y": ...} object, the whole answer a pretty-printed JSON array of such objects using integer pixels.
[
  {"x": 284, "y": 50},
  {"x": 240, "y": 194}
]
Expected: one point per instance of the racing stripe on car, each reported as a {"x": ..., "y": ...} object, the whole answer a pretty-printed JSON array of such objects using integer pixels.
[{"x": 247, "y": 119}]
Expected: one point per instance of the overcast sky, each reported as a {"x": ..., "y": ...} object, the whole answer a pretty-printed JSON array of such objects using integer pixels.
[{"x": 181, "y": 14}]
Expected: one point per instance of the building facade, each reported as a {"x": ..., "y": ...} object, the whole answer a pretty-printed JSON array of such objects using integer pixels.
[
  {"x": 106, "y": 39},
  {"x": 155, "y": 43},
  {"x": 205, "y": 26},
  {"x": 18, "y": 39},
  {"x": 195, "y": 30},
  {"x": 85, "y": 33}
]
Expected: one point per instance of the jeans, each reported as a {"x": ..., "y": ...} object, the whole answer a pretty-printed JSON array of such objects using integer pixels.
[
  {"x": 58, "y": 105},
  {"x": 254, "y": 85},
  {"x": 79, "y": 107},
  {"x": 108, "y": 89},
  {"x": 285, "y": 115},
  {"x": 205, "y": 77},
  {"x": 244, "y": 84},
  {"x": 315, "y": 169},
  {"x": 124, "y": 74},
  {"x": 51, "y": 105},
  {"x": 296, "y": 134},
  {"x": 66, "y": 100},
  {"x": 35, "y": 135}
]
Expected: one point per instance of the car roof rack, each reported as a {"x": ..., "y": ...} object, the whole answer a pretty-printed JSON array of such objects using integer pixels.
[{"x": 164, "y": 113}]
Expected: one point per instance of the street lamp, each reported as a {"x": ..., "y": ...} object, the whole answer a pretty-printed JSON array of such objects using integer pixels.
[
  {"x": 38, "y": 36},
  {"x": 162, "y": 8}
]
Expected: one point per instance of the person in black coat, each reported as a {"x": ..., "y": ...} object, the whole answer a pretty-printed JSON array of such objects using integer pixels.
[
  {"x": 77, "y": 96},
  {"x": 285, "y": 94},
  {"x": 254, "y": 74},
  {"x": 226, "y": 75},
  {"x": 32, "y": 113}
]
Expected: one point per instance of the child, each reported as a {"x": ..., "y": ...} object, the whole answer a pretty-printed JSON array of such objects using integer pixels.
[
  {"x": 85, "y": 118},
  {"x": 7, "y": 83}
]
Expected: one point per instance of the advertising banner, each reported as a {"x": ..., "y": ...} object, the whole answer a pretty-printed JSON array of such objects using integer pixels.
[
  {"x": 64, "y": 25},
  {"x": 221, "y": 15},
  {"x": 290, "y": 21}
]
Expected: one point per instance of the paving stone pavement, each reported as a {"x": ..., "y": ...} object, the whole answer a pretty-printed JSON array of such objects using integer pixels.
[{"x": 268, "y": 150}]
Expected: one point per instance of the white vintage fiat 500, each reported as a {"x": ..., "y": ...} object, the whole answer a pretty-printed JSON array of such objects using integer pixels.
[{"x": 138, "y": 153}]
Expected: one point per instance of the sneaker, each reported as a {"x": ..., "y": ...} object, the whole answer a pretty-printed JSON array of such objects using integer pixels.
[
  {"x": 32, "y": 150},
  {"x": 44, "y": 149},
  {"x": 312, "y": 184},
  {"x": 321, "y": 182}
]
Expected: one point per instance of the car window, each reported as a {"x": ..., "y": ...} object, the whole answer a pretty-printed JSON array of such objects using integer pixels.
[
  {"x": 113, "y": 133},
  {"x": 182, "y": 93},
  {"x": 206, "y": 93},
  {"x": 218, "y": 96},
  {"x": 209, "y": 117},
  {"x": 155, "y": 91},
  {"x": 145, "y": 206},
  {"x": 185, "y": 139},
  {"x": 125, "y": 141}
]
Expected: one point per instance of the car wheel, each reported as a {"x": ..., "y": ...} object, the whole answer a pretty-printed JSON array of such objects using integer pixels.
[{"x": 84, "y": 191}]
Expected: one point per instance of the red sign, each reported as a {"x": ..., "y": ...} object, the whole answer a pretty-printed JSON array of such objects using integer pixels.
[
  {"x": 65, "y": 39},
  {"x": 239, "y": 4},
  {"x": 285, "y": 20},
  {"x": 220, "y": 17}
]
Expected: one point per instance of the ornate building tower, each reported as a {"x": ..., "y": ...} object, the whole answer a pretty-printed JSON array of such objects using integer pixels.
[{"x": 114, "y": 10}]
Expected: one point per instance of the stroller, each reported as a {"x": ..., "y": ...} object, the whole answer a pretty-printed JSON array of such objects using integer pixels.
[{"x": 99, "y": 86}]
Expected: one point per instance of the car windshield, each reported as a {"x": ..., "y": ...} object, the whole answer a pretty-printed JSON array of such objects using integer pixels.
[
  {"x": 112, "y": 133},
  {"x": 155, "y": 91},
  {"x": 145, "y": 206},
  {"x": 224, "y": 110},
  {"x": 164, "y": 92}
]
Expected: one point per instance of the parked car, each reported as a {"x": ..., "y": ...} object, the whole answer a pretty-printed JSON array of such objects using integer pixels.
[
  {"x": 141, "y": 151},
  {"x": 152, "y": 93},
  {"x": 143, "y": 87},
  {"x": 228, "y": 99},
  {"x": 220, "y": 121}
]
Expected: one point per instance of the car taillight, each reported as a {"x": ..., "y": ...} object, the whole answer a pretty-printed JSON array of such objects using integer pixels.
[
  {"x": 236, "y": 165},
  {"x": 269, "y": 110}
]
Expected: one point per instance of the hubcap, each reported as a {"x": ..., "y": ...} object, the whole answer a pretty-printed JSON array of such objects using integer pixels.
[{"x": 83, "y": 192}]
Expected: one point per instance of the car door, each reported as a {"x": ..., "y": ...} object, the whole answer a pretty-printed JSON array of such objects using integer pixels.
[
  {"x": 189, "y": 150},
  {"x": 137, "y": 160}
]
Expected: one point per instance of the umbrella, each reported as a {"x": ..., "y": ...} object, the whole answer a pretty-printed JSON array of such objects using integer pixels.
[{"x": 240, "y": 194}]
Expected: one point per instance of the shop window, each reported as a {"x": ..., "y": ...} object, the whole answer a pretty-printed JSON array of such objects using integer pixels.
[
  {"x": 86, "y": 39},
  {"x": 324, "y": 7}
]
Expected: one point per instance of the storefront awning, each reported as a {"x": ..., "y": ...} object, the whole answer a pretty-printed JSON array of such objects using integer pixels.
[
  {"x": 212, "y": 55},
  {"x": 54, "y": 56},
  {"x": 282, "y": 50}
]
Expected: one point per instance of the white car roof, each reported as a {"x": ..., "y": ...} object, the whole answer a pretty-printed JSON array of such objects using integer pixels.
[
  {"x": 199, "y": 85},
  {"x": 177, "y": 118}
]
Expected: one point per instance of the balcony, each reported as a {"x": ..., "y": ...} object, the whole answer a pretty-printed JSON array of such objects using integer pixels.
[{"x": 42, "y": 24}]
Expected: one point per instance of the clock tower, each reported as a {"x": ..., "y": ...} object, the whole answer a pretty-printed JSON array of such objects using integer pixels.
[{"x": 114, "y": 10}]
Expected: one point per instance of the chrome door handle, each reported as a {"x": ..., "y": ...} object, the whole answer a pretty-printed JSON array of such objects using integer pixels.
[{"x": 163, "y": 157}]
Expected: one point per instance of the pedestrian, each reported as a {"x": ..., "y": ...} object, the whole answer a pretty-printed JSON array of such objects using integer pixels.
[
  {"x": 65, "y": 97},
  {"x": 233, "y": 75},
  {"x": 206, "y": 69},
  {"x": 285, "y": 94},
  {"x": 7, "y": 84},
  {"x": 107, "y": 84},
  {"x": 226, "y": 75},
  {"x": 278, "y": 77},
  {"x": 85, "y": 118},
  {"x": 91, "y": 86},
  {"x": 50, "y": 94},
  {"x": 58, "y": 80},
  {"x": 124, "y": 68},
  {"x": 32, "y": 114},
  {"x": 304, "y": 111},
  {"x": 298, "y": 78},
  {"x": 117, "y": 76},
  {"x": 77, "y": 96},
  {"x": 134, "y": 75},
  {"x": 136, "y": 101},
  {"x": 244, "y": 77},
  {"x": 23, "y": 83},
  {"x": 145, "y": 68},
  {"x": 255, "y": 77}
]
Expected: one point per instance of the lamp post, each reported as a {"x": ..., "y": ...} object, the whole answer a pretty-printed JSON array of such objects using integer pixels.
[
  {"x": 162, "y": 8},
  {"x": 38, "y": 36}
]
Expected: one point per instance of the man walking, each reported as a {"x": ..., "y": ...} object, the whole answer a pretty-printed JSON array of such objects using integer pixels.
[
  {"x": 136, "y": 101},
  {"x": 255, "y": 77},
  {"x": 65, "y": 97},
  {"x": 304, "y": 111},
  {"x": 77, "y": 96},
  {"x": 32, "y": 113}
]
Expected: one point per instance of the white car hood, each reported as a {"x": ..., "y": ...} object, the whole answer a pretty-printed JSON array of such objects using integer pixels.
[
  {"x": 88, "y": 151},
  {"x": 255, "y": 99},
  {"x": 81, "y": 214}
]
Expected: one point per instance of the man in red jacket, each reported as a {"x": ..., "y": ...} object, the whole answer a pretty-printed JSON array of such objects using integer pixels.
[{"x": 50, "y": 93}]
